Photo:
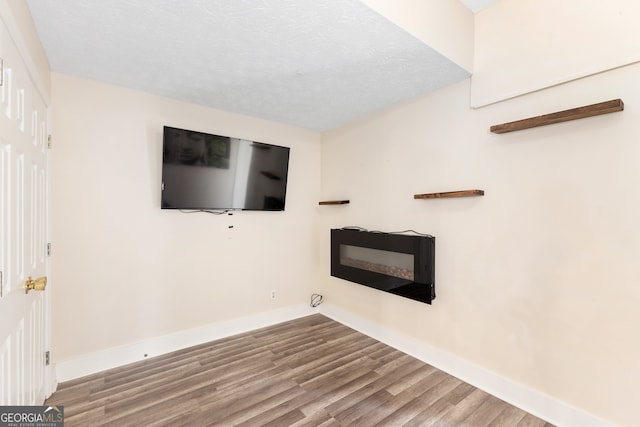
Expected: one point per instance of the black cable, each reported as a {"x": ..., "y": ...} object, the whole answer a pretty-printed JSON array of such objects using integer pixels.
[
  {"x": 355, "y": 227},
  {"x": 410, "y": 231},
  {"x": 207, "y": 211}
]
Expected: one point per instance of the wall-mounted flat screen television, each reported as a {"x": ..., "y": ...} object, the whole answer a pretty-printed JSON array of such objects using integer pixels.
[{"x": 202, "y": 171}]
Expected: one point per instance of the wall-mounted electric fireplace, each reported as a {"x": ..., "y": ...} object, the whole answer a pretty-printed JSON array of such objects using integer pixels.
[{"x": 401, "y": 264}]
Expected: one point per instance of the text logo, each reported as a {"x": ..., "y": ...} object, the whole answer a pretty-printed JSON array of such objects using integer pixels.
[{"x": 31, "y": 416}]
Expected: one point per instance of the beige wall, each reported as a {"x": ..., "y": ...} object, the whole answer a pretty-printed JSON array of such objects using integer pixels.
[
  {"x": 124, "y": 270},
  {"x": 527, "y": 45},
  {"x": 446, "y": 26},
  {"x": 537, "y": 280}
]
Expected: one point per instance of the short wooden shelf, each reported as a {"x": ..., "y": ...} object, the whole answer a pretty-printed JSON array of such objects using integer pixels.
[
  {"x": 334, "y": 202},
  {"x": 447, "y": 194},
  {"x": 561, "y": 116}
]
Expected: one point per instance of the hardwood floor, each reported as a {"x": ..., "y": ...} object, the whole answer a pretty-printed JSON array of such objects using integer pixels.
[{"x": 311, "y": 371}]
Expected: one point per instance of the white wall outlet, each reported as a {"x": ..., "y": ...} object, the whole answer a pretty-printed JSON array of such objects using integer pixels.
[{"x": 273, "y": 294}]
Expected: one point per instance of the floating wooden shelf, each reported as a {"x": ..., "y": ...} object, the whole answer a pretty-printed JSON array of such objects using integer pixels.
[
  {"x": 463, "y": 193},
  {"x": 334, "y": 202},
  {"x": 561, "y": 116}
]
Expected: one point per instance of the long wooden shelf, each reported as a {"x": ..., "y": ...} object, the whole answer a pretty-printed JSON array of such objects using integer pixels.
[
  {"x": 447, "y": 194},
  {"x": 334, "y": 202},
  {"x": 561, "y": 116}
]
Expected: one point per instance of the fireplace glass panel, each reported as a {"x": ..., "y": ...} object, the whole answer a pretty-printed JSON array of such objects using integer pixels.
[
  {"x": 396, "y": 263},
  {"x": 390, "y": 263}
]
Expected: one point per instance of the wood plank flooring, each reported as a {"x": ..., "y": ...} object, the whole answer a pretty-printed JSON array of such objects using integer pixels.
[{"x": 311, "y": 371}]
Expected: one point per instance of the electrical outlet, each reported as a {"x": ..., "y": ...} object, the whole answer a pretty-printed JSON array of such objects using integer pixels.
[{"x": 273, "y": 294}]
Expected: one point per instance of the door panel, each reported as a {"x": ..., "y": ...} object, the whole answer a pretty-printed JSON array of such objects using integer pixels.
[{"x": 23, "y": 231}]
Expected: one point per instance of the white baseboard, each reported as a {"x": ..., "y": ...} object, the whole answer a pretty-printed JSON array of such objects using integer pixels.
[
  {"x": 118, "y": 356},
  {"x": 539, "y": 404},
  {"x": 536, "y": 403}
]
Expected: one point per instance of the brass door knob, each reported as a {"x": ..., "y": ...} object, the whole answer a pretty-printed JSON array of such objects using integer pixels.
[{"x": 35, "y": 284}]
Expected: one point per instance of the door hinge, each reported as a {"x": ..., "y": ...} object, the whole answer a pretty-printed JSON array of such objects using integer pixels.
[
  {"x": 1, "y": 71},
  {"x": 49, "y": 141},
  {"x": 47, "y": 358},
  {"x": 48, "y": 249},
  {"x": 1, "y": 284}
]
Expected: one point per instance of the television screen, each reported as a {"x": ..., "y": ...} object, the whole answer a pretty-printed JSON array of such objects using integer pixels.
[{"x": 202, "y": 171}]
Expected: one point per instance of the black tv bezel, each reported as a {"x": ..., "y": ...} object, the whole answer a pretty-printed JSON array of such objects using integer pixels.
[{"x": 221, "y": 209}]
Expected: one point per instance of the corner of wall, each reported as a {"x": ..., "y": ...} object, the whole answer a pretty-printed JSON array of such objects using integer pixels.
[{"x": 536, "y": 403}]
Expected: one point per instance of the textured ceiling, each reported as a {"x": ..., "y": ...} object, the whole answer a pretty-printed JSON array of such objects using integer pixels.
[{"x": 310, "y": 63}]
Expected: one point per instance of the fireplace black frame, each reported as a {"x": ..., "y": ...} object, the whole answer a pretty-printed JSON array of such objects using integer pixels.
[{"x": 422, "y": 247}]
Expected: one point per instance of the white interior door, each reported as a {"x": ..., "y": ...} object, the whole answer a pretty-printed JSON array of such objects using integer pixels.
[{"x": 23, "y": 231}]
